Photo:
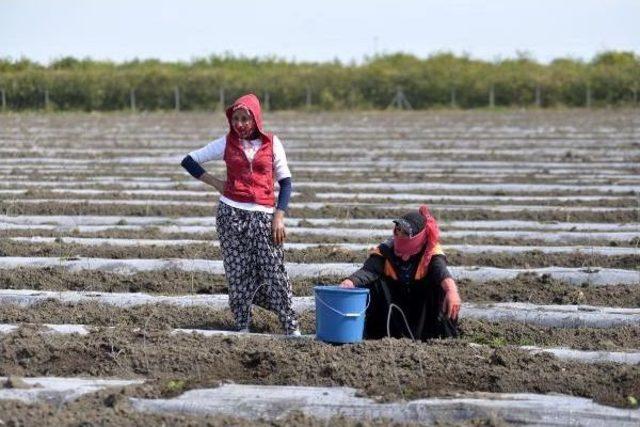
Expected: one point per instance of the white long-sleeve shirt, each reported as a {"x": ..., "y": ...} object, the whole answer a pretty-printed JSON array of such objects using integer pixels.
[{"x": 215, "y": 151}]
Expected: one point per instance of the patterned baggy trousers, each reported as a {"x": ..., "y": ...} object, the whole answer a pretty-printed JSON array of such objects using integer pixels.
[{"x": 254, "y": 266}]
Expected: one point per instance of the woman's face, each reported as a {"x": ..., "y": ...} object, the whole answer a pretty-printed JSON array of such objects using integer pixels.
[
  {"x": 399, "y": 232},
  {"x": 242, "y": 123}
]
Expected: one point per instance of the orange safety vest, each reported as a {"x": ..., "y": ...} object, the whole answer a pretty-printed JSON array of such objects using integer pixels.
[{"x": 421, "y": 272}]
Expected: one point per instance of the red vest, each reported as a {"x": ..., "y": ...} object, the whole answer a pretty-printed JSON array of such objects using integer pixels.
[{"x": 249, "y": 182}]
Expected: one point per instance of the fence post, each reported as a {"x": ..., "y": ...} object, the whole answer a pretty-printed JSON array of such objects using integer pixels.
[
  {"x": 400, "y": 101},
  {"x": 634, "y": 90},
  {"x": 453, "y": 98},
  {"x": 176, "y": 95},
  {"x": 221, "y": 98},
  {"x": 267, "y": 102},
  {"x": 308, "y": 100},
  {"x": 492, "y": 96},
  {"x": 132, "y": 99},
  {"x": 351, "y": 99},
  {"x": 4, "y": 100},
  {"x": 588, "y": 96},
  {"x": 538, "y": 96},
  {"x": 46, "y": 99}
]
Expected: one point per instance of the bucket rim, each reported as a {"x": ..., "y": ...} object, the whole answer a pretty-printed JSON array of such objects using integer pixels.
[{"x": 338, "y": 289}]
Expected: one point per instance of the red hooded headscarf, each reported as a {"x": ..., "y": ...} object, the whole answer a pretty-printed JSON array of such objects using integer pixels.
[
  {"x": 251, "y": 103},
  {"x": 427, "y": 238}
]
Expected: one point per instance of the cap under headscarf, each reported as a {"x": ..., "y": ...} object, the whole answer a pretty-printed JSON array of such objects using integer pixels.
[
  {"x": 423, "y": 234},
  {"x": 411, "y": 223}
]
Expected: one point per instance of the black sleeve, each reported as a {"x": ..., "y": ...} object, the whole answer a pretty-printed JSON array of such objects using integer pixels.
[
  {"x": 285, "y": 194},
  {"x": 193, "y": 167},
  {"x": 371, "y": 270},
  {"x": 438, "y": 270}
]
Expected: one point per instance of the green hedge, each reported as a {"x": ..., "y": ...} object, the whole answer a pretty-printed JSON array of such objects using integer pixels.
[{"x": 611, "y": 78}]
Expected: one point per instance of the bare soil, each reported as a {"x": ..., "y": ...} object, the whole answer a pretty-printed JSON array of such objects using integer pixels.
[
  {"x": 537, "y": 259},
  {"x": 155, "y": 232},
  {"x": 387, "y": 369},
  {"x": 525, "y": 288},
  {"x": 301, "y": 175},
  {"x": 19, "y": 208},
  {"x": 532, "y": 259},
  {"x": 163, "y": 317},
  {"x": 305, "y": 195}
]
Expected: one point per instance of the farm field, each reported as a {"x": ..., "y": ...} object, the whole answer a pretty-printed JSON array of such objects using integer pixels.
[{"x": 110, "y": 270}]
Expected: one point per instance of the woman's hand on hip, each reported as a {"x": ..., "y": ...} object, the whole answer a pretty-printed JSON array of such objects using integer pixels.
[
  {"x": 219, "y": 185},
  {"x": 216, "y": 183},
  {"x": 277, "y": 227}
]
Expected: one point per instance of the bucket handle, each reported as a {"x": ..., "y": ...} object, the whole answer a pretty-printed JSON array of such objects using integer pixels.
[{"x": 350, "y": 315}]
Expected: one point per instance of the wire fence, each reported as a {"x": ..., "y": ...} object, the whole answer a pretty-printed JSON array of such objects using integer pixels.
[
  {"x": 394, "y": 81},
  {"x": 178, "y": 100}
]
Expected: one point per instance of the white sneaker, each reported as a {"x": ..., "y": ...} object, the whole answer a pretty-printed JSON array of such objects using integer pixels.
[
  {"x": 244, "y": 331},
  {"x": 296, "y": 333}
]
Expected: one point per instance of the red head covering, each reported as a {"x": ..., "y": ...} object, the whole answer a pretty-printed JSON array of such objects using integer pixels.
[
  {"x": 250, "y": 103},
  {"x": 427, "y": 238}
]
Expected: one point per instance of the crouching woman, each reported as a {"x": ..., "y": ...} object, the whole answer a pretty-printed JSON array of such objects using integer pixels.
[{"x": 412, "y": 292}]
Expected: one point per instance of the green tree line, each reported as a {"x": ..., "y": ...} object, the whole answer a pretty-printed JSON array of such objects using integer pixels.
[{"x": 442, "y": 80}]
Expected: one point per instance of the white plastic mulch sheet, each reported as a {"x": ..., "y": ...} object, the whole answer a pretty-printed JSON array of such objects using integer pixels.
[{"x": 275, "y": 402}]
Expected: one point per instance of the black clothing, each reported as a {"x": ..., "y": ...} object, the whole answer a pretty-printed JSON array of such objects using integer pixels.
[
  {"x": 193, "y": 167},
  {"x": 420, "y": 300}
]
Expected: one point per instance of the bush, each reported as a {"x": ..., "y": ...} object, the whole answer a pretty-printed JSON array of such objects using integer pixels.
[{"x": 613, "y": 78}]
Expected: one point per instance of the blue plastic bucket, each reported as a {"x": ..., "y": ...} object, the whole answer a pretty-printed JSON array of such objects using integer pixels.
[{"x": 340, "y": 313}]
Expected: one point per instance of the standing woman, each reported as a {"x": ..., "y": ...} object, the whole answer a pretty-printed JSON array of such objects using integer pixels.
[{"x": 250, "y": 229}]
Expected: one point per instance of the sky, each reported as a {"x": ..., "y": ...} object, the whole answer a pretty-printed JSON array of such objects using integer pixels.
[{"x": 324, "y": 30}]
